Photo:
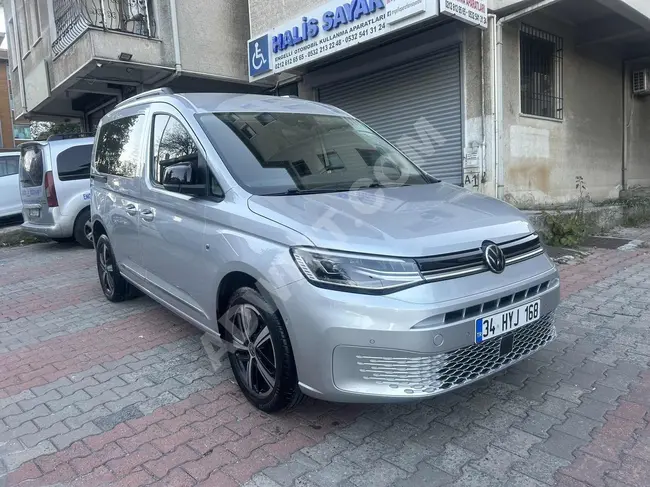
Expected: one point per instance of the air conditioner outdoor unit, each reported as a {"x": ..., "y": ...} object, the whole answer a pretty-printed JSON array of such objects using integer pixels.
[{"x": 641, "y": 82}]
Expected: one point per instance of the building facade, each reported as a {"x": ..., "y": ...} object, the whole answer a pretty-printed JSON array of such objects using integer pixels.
[
  {"x": 78, "y": 58},
  {"x": 512, "y": 98}
]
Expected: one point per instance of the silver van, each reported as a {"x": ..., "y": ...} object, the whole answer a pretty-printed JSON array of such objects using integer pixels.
[
  {"x": 55, "y": 188},
  {"x": 320, "y": 258}
]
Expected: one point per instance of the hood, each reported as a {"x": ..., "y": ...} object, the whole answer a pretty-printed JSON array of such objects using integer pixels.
[{"x": 407, "y": 221}]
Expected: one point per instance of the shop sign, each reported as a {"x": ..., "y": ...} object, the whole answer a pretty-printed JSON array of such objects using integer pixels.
[
  {"x": 473, "y": 12},
  {"x": 396, "y": 10},
  {"x": 329, "y": 29}
]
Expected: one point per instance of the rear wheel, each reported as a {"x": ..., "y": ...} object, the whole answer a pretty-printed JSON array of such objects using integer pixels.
[
  {"x": 83, "y": 229},
  {"x": 262, "y": 358},
  {"x": 114, "y": 286}
]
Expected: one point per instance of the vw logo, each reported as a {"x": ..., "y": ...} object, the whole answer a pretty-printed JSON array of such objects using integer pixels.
[{"x": 493, "y": 257}]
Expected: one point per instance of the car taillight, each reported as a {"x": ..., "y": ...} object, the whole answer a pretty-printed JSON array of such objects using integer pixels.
[{"x": 50, "y": 190}]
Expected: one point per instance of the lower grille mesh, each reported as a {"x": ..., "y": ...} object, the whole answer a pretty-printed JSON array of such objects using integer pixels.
[{"x": 428, "y": 374}]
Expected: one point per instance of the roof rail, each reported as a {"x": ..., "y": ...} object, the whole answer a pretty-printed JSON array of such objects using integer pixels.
[
  {"x": 157, "y": 91},
  {"x": 78, "y": 135}
]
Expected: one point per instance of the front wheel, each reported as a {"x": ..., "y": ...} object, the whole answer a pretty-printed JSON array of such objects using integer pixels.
[
  {"x": 114, "y": 286},
  {"x": 262, "y": 358}
]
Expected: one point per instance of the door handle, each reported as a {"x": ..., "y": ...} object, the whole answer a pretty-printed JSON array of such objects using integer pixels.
[
  {"x": 147, "y": 215},
  {"x": 131, "y": 209}
]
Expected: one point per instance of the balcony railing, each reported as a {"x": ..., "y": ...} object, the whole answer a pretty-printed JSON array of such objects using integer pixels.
[{"x": 73, "y": 17}]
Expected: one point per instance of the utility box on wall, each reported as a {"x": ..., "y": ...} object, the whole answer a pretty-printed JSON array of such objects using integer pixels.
[{"x": 641, "y": 82}]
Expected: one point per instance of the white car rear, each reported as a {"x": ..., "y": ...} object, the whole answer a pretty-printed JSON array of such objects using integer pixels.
[{"x": 55, "y": 188}]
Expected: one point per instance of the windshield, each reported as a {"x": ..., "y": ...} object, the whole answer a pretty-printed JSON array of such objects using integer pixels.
[
  {"x": 31, "y": 166},
  {"x": 290, "y": 153}
]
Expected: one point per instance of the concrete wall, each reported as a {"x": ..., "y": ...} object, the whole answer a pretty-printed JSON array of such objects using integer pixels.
[
  {"x": 478, "y": 114},
  {"x": 213, "y": 37},
  {"x": 30, "y": 54},
  {"x": 542, "y": 157},
  {"x": 630, "y": 7},
  {"x": 641, "y": 6},
  {"x": 265, "y": 15}
]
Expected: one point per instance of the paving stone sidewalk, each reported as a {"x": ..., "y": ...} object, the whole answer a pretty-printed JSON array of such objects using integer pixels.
[{"x": 94, "y": 394}]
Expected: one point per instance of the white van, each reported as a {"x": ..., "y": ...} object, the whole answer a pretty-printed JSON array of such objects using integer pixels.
[{"x": 55, "y": 187}]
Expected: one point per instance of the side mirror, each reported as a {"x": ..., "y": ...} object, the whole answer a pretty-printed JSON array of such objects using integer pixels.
[{"x": 185, "y": 178}]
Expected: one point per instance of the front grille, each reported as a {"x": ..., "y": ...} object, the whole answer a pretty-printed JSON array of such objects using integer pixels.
[
  {"x": 428, "y": 374},
  {"x": 495, "y": 304},
  {"x": 458, "y": 264}
]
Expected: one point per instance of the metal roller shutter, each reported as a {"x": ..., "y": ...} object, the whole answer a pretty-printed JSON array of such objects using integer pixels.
[{"x": 416, "y": 106}]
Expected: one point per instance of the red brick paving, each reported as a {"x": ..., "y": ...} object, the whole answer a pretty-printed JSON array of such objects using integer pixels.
[
  {"x": 45, "y": 362},
  {"x": 599, "y": 265},
  {"x": 621, "y": 449},
  {"x": 183, "y": 443},
  {"x": 34, "y": 304},
  {"x": 178, "y": 443}
]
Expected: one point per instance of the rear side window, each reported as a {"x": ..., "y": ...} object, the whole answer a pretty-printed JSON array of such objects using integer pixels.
[
  {"x": 8, "y": 166},
  {"x": 74, "y": 163},
  {"x": 31, "y": 167},
  {"x": 118, "y": 146}
]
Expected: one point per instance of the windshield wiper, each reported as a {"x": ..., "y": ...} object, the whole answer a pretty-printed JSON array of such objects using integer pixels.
[{"x": 296, "y": 191}]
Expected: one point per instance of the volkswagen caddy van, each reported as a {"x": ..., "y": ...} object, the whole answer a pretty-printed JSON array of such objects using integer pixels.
[{"x": 320, "y": 257}]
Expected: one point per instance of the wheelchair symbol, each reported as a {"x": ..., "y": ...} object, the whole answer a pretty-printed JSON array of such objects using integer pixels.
[{"x": 257, "y": 59}]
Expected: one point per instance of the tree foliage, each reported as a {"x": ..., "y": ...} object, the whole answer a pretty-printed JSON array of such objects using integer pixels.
[{"x": 42, "y": 130}]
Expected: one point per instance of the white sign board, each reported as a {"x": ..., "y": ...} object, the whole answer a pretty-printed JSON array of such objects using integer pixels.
[
  {"x": 399, "y": 10},
  {"x": 331, "y": 28},
  {"x": 473, "y": 12}
]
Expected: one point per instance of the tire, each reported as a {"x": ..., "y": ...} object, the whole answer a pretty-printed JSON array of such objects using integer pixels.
[
  {"x": 268, "y": 336},
  {"x": 83, "y": 230},
  {"x": 114, "y": 286}
]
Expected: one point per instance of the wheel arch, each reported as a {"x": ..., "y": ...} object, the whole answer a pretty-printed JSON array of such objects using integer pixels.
[
  {"x": 98, "y": 229},
  {"x": 235, "y": 280}
]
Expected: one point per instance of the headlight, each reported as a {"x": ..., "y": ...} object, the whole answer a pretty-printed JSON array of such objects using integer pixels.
[{"x": 356, "y": 272}]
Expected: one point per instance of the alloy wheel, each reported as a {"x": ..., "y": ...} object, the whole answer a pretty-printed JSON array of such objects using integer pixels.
[
  {"x": 106, "y": 266},
  {"x": 88, "y": 230},
  {"x": 254, "y": 351}
]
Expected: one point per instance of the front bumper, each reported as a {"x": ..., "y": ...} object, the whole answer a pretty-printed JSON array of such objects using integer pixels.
[{"x": 407, "y": 345}]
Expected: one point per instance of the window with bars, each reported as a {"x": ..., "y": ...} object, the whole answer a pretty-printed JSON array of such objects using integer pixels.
[{"x": 542, "y": 90}]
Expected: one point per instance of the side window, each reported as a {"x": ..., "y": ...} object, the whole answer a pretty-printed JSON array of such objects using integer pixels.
[
  {"x": 12, "y": 164},
  {"x": 74, "y": 163},
  {"x": 175, "y": 163},
  {"x": 8, "y": 166},
  {"x": 118, "y": 146}
]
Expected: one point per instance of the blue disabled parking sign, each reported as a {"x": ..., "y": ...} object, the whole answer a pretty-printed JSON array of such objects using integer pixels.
[{"x": 259, "y": 60}]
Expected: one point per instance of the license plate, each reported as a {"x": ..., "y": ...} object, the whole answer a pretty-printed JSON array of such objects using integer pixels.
[
  {"x": 35, "y": 213},
  {"x": 497, "y": 324}
]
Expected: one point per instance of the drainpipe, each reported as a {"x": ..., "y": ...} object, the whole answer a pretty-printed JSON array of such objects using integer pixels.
[
  {"x": 498, "y": 80},
  {"x": 496, "y": 146},
  {"x": 626, "y": 125},
  {"x": 483, "y": 111},
  {"x": 178, "y": 67},
  {"x": 19, "y": 61}
]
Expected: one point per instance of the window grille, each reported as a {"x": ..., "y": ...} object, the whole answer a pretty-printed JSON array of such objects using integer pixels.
[{"x": 542, "y": 90}]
